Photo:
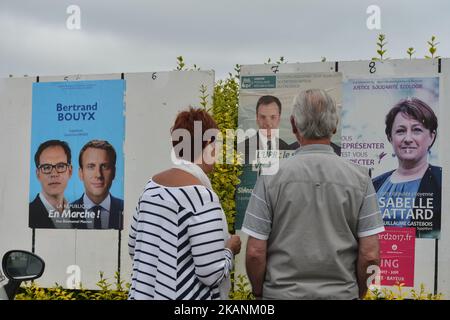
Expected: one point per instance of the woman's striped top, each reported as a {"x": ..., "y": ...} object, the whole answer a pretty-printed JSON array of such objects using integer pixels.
[{"x": 177, "y": 245}]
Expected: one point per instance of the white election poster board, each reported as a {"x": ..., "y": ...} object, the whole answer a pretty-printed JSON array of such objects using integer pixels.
[
  {"x": 152, "y": 101},
  {"x": 431, "y": 257}
]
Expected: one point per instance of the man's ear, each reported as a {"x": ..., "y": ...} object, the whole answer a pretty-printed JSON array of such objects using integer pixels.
[
  {"x": 294, "y": 127},
  {"x": 80, "y": 174},
  {"x": 335, "y": 128}
]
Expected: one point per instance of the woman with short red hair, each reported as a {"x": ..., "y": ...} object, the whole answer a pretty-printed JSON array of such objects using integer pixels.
[{"x": 178, "y": 238}]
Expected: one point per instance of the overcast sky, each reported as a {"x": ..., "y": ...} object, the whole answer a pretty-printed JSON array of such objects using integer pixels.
[{"x": 144, "y": 36}]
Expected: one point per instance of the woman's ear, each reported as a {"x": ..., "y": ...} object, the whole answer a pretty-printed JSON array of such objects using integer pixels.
[
  {"x": 433, "y": 138},
  {"x": 433, "y": 135}
]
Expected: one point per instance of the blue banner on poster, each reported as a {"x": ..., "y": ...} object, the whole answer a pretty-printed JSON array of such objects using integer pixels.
[{"x": 77, "y": 162}]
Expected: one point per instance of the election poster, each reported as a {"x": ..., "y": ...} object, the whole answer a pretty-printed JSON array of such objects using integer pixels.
[
  {"x": 77, "y": 162},
  {"x": 390, "y": 125},
  {"x": 264, "y": 135},
  {"x": 397, "y": 251}
]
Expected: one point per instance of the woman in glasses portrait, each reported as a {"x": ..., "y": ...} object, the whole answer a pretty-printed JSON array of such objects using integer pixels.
[{"x": 53, "y": 170}]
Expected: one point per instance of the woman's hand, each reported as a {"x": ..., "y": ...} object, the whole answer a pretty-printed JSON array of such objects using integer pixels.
[{"x": 234, "y": 244}]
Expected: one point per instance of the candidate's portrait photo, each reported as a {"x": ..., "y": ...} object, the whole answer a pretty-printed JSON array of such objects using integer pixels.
[
  {"x": 411, "y": 129},
  {"x": 97, "y": 170},
  {"x": 53, "y": 171},
  {"x": 266, "y": 137}
]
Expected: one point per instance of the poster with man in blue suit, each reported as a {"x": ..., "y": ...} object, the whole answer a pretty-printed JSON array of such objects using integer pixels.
[{"x": 77, "y": 163}]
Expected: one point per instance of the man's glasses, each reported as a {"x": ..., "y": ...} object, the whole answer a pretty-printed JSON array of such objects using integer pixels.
[{"x": 48, "y": 168}]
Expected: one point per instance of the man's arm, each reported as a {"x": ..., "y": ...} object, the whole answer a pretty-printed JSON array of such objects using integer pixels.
[
  {"x": 256, "y": 263},
  {"x": 368, "y": 255}
]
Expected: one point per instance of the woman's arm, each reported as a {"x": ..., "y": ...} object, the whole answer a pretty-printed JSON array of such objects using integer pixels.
[{"x": 212, "y": 260}]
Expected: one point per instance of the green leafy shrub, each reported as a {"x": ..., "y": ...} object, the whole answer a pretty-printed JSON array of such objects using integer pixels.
[
  {"x": 399, "y": 294},
  {"x": 432, "y": 48},
  {"x": 381, "y": 51},
  {"x": 225, "y": 176},
  {"x": 241, "y": 288},
  {"x": 107, "y": 291}
]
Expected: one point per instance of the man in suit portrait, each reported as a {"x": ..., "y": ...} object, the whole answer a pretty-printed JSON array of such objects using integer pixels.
[
  {"x": 53, "y": 170},
  {"x": 97, "y": 161},
  {"x": 268, "y": 115}
]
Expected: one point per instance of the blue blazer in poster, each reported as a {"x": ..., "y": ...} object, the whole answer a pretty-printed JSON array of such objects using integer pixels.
[
  {"x": 67, "y": 116},
  {"x": 390, "y": 125}
]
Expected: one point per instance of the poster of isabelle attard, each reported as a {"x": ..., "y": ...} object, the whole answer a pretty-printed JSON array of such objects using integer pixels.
[
  {"x": 390, "y": 125},
  {"x": 77, "y": 163}
]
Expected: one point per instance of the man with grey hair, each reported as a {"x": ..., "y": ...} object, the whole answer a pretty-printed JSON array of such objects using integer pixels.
[{"x": 313, "y": 226}]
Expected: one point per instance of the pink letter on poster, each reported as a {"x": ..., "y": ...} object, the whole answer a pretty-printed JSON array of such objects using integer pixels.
[{"x": 397, "y": 246}]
